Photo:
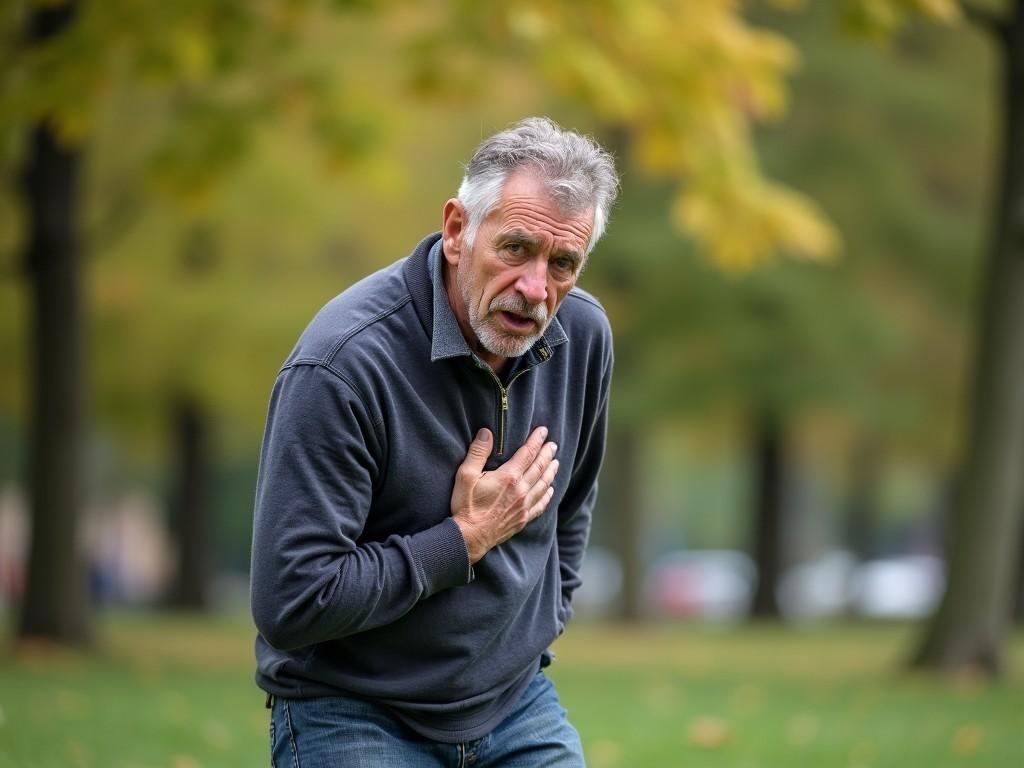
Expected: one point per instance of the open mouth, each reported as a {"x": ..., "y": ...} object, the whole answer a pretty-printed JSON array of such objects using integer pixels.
[{"x": 517, "y": 323}]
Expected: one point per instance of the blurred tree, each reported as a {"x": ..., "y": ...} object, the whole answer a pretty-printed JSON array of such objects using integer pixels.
[
  {"x": 190, "y": 516},
  {"x": 970, "y": 626},
  {"x": 718, "y": 349},
  {"x": 56, "y": 599},
  {"x": 890, "y": 146},
  {"x": 621, "y": 481},
  {"x": 1018, "y": 613},
  {"x": 768, "y": 507},
  {"x": 203, "y": 59},
  {"x": 968, "y": 631}
]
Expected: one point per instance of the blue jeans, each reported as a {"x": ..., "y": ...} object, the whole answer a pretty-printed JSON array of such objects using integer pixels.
[{"x": 343, "y": 732}]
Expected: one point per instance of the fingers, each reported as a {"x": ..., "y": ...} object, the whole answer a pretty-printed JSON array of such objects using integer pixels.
[
  {"x": 539, "y": 489},
  {"x": 543, "y": 483},
  {"x": 525, "y": 456},
  {"x": 540, "y": 464},
  {"x": 534, "y": 483},
  {"x": 538, "y": 509},
  {"x": 479, "y": 450},
  {"x": 549, "y": 473}
]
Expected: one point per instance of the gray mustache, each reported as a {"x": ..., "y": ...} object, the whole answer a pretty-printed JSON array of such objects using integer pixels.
[{"x": 511, "y": 303}]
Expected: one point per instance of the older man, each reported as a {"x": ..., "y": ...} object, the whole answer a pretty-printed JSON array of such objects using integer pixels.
[{"x": 406, "y": 591}]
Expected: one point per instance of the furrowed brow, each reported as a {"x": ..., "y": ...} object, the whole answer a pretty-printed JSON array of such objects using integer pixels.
[{"x": 520, "y": 236}]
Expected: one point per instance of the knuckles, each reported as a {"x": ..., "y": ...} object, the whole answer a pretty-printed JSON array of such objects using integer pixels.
[{"x": 520, "y": 492}]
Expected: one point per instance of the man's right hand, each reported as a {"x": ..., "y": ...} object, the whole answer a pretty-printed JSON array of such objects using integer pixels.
[{"x": 492, "y": 507}]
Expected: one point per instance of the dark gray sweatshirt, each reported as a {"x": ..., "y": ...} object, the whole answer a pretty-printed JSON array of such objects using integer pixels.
[{"x": 361, "y": 583}]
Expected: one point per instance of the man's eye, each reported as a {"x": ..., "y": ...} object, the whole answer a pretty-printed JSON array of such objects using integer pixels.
[
  {"x": 565, "y": 264},
  {"x": 514, "y": 247}
]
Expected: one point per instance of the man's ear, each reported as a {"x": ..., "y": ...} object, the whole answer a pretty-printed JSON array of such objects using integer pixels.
[{"x": 455, "y": 222}]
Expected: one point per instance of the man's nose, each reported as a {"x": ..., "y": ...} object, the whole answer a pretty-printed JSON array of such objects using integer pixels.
[{"x": 533, "y": 281}]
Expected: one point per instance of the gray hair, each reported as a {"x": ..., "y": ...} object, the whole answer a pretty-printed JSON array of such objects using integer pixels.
[{"x": 577, "y": 172}]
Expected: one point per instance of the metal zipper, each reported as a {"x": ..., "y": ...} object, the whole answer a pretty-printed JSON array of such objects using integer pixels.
[
  {"x": 503, "y": 391},
  {"x": 545, "y": 355}
]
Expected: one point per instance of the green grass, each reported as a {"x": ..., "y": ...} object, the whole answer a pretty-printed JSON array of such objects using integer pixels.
[
  {"x": 177, "y": 692},
  {"x": 769, "y": 696}
]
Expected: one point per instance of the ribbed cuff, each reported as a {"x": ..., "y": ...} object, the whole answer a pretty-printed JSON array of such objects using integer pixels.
[{"x": 442, "y": 557}]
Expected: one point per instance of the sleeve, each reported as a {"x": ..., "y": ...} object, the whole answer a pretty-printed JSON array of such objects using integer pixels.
[
  {"x": 310, "y": 580},
  {"x": 576, "y": 510}
]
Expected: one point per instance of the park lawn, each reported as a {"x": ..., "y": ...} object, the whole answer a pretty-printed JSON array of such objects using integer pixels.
[{"x": 177, "y": 692}]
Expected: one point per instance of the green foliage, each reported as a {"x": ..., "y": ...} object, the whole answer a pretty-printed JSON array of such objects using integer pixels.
[
  {"x": 685, "y": 80},
  {"x": 230, "y": 144},
  {"x": 248, "y": 161},
  {"x": 896, "y": 146},
  {"x": 893, "y": 148}
]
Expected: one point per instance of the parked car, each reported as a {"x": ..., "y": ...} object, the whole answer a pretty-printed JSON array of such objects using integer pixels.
[
  {"x": 708, "y": 584},
  {"x": 902, "y": 587},
  {"x": 905, "y": 587}
]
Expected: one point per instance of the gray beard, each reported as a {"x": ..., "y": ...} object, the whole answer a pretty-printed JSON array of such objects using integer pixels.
[{"x": 490, "y": 336}]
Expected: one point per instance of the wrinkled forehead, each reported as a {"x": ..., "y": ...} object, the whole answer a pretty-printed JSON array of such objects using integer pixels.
[{"x": 527, "y": 204}]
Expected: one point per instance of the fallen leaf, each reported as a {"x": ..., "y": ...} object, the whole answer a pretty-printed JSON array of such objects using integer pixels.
[
  {"x": 604, "y": 753},
  {"x": 709, "y": 732}
]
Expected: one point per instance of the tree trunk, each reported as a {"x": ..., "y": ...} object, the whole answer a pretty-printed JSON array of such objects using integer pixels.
[
  {"x": 970, "y": 625},
  {"x": 56, "y": 604},
  {"x": 190, "y": 508},
  {"x": 769, "y": 471},
  {"x": 1018, "y": 608},
  {"x": 620, "y": 476}
]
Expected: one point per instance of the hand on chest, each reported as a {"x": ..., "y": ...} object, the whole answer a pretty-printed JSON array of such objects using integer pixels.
[{"x": 427, "y": 445}]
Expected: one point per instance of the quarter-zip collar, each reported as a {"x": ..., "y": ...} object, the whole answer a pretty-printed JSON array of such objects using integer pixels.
[{"x": 425, "y": 279}]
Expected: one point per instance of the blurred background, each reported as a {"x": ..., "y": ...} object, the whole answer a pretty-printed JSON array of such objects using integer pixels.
[{"x": 814, "y": 274}]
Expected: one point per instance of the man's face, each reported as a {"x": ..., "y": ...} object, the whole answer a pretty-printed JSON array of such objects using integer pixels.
[{"x": 525, "y": 258}]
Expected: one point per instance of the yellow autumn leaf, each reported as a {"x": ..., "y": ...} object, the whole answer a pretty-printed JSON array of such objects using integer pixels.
[
  {"x": 802, "y": 227},
  {"x": 741, "y": 226},
  {"x": 944, "y": 11}
]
